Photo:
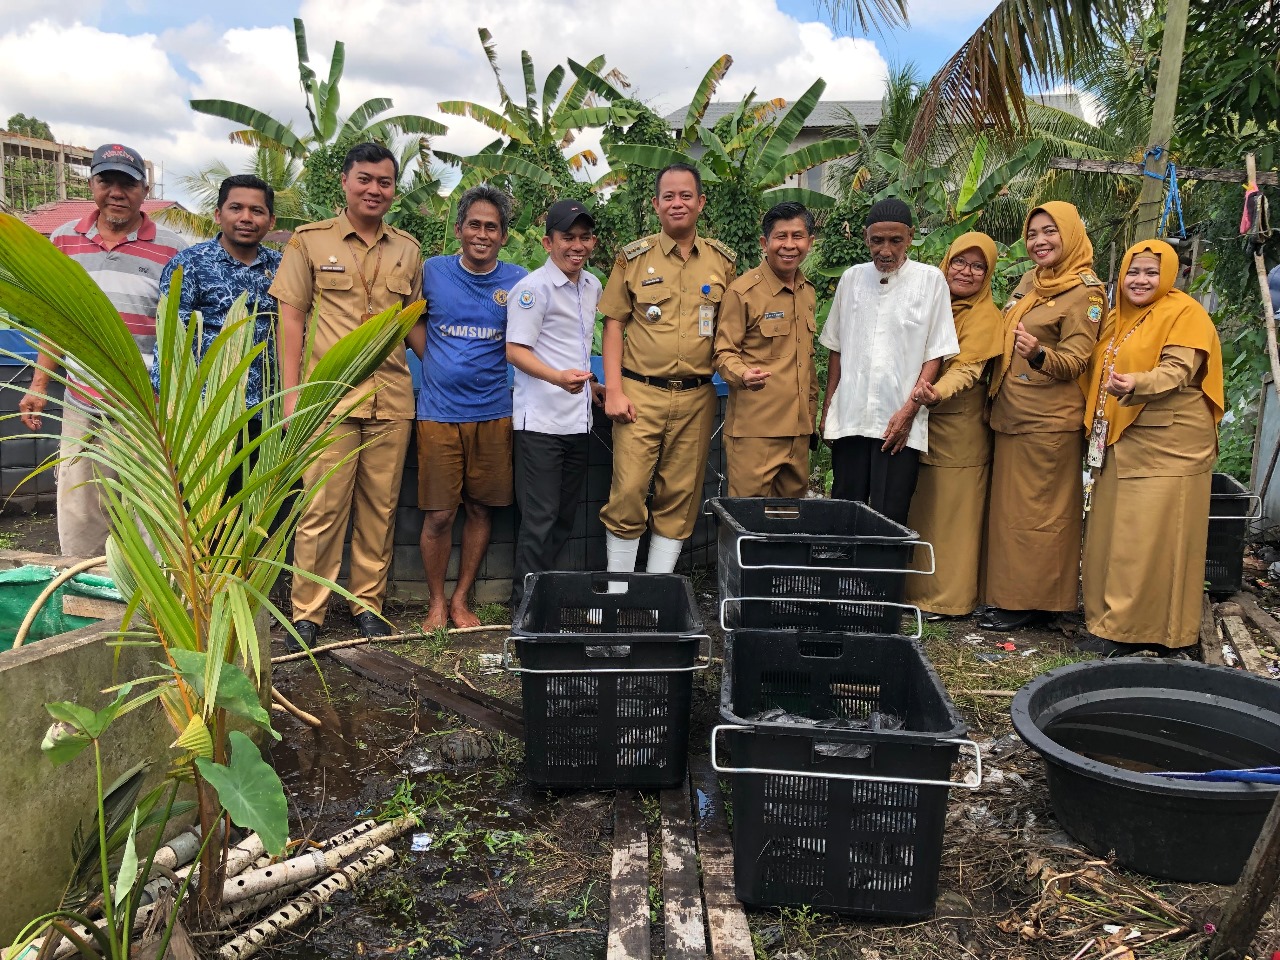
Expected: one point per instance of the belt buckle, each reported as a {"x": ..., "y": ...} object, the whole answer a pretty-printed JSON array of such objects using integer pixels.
[{"x": 676, "y": 384}]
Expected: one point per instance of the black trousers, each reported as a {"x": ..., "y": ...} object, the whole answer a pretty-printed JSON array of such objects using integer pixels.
[
  {"x": 549, "y": 472},
  {"x": 884, "y": 482}
]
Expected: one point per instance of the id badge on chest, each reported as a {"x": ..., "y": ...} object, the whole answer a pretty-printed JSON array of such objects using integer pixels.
[
  {"x": 1097, "y": 451},
  {"x": 706, "y": 320}
]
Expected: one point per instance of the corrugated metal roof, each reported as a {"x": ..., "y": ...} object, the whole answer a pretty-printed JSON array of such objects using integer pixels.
[{"x": 48, "y": 217}]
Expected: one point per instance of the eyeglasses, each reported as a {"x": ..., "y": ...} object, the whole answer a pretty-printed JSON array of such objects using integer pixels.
[{"x": 975, "y": 267}]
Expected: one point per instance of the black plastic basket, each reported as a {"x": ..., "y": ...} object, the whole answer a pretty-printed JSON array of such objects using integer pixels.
[
  {"x": 770, "y": 552},
  {"x": 846, "y": 818},
  {"x": 606, "y": 678},
  {"x": 1229, "y": 516}
]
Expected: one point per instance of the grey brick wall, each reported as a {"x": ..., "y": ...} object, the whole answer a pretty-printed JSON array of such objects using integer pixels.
[{"x": 21, "y": 451}]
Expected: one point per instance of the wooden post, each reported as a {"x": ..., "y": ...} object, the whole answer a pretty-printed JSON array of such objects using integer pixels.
[
  {"x": 1162, "y": 114},
  {"x": 1252, "y": 895},
  {"x": 1268, "y": 308}
]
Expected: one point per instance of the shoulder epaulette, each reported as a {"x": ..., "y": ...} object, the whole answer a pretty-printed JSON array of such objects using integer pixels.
[
  {"x": 724, "y": 248},
  {"x": 635, "y": 248},
  {"x": 317, "y": 225},
  {"x": 403, "y": 234},
  {"x": 1091, "y": 279},
  {"x": 748, "y": 280}
]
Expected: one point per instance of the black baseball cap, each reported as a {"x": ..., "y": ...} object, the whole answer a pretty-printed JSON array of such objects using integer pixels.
[
  {"x": 565, "y": 213},
  {"x": 116, "y": 156}
]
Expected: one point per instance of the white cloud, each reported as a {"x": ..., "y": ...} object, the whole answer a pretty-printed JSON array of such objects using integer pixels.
[{"x": 417, "y": 54}]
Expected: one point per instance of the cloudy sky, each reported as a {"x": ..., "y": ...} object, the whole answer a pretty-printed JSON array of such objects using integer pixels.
[{"x": 125, "y": 70}]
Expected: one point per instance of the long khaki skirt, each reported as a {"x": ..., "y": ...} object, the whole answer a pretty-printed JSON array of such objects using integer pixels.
[
  {"x": 1144, "y": 558},
  {"x": 948, "y": 510},
  {"x": 1035, "y": 520}
]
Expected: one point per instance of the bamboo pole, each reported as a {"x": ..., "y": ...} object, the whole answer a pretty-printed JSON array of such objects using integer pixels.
[
  {"x": 393, "y": 638},
  {"x": 293, "y": 913},
  {"x": 1162, "y": 116},
  {"x": 1268, "y": 308},
  {"x": 309, "y": 719},
  {"x": 48, "y": 592}
]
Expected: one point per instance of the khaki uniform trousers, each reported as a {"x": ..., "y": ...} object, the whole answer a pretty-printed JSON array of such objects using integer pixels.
[
  {"x": 768, "y": 466},
  {"x": 667, "y": 444},
  {"x": 82, "y": 520},
  {"x": 367, "y": 457}
]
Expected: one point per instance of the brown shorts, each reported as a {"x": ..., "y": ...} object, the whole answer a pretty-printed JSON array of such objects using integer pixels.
[{"x": 458, "y": 461}]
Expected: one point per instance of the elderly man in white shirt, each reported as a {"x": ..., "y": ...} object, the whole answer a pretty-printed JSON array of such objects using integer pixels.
[
  {"x": 889, "y": 329},
  {"x": 551, "y": 316}
]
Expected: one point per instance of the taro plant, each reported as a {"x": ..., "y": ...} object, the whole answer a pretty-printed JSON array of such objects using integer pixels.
[{"x": 195, "y": 562}]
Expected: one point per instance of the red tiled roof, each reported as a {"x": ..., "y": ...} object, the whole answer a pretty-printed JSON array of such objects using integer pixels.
[{"x": 48, "y": 217}]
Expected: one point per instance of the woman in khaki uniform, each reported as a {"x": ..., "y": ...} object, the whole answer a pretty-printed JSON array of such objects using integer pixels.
[
  {"x": 1155, "y": 389},
  {"x": 1051, "y": 321},
  {"x": 950, "y": 503}
]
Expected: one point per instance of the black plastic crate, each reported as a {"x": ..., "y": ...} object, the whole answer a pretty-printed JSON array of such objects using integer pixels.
[
  {"x": 773, "y": 551},
  {"x": 1229, "y": 499},
  {"x": 844, "y": 820},
  {"x": 606, "y": 679}
]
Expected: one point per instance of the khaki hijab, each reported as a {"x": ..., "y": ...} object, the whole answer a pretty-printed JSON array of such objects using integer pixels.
[
  {"x": 1048, "y": 282},
  {"x": 1172, "y": 319},
  {"x": 977, "y": 317}
]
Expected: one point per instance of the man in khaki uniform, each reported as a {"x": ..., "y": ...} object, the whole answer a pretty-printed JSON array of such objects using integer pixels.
[
  {"x": 764, "y": 351},
  {"x": 337, "y": 274},
  {"x": 660, "y": 307}
]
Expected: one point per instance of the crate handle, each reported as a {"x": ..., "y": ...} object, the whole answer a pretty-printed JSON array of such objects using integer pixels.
[
  {"x": 971, "y": 782},
  {"x": 779, "y": 512},
  {"x": 808, "y": 569},
  {"x": 724, "y": 604},
  {"x": 1250, "y": 515},
  {"x": 508, "y": 662}
]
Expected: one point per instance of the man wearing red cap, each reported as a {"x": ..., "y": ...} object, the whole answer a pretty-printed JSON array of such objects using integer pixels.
[{"x": 124, "y": 252}]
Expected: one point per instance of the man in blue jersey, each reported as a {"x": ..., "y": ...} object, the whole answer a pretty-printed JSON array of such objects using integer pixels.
[{"x": 464, "y": 406}]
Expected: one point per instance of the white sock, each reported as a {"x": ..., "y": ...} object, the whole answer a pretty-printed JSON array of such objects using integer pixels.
[
  {"x": 663, "y": 554},
  {"x": 621, "y": 557}
]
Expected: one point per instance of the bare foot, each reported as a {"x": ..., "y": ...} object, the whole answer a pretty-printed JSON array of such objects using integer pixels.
[
  {"x": 461, "y": 615},
  {"x": 436, "y": 619}
]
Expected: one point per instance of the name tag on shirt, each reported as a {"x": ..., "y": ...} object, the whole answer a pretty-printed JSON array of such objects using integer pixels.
[
  {"x": 328, "y": 269},
  {"x": 706, "y": 320},
  {"x": 774, "y": 315}
]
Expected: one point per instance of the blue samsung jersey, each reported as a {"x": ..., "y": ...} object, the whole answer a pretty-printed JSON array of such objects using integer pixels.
[{"x": 464, "y": 368}]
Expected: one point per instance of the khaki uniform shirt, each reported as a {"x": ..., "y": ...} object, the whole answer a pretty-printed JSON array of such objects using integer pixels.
[
  {"x": 764, "y": 323},
  {"x": 322, "y": 273},
  {"x": 1174, "y": 435},
  {"x": 668, "y": 304},
  {"x": 1049, "y": 400}
]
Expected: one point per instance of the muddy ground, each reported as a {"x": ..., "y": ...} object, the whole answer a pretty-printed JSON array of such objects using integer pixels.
[{"x": 499, "y": 869}]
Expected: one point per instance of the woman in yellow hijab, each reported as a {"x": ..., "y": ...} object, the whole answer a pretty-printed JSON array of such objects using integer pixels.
[
  {"x": 950, "y": 503},
  {"x": 1032, "y": 566},
  {"x": 1155, "y": 398}
]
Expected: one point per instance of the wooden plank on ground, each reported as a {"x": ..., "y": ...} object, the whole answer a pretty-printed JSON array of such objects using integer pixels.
[
  {"x": 683, "y": 925},
  {"x": 431, "y": 690},
  {"x": 1235, "y": 631},
  {"x": 629, "y": 881},
  {"x": 726, "y": 920},
  {"x": 1265, "y": 622},
  {"x": 77, "y": 606},
  {"x": 1210, "y": 642}
]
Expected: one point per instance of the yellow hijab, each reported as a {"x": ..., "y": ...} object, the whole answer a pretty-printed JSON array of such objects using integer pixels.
[
  {"x": 1048, "y": 282},
  {"x": 977, "y": 317},
  {"x": 1172, "y": 319}
]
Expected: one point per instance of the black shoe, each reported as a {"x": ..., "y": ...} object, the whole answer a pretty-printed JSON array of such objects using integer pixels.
[
  {"x": 1003, "y": 621},
  {"x": 1092, "y": 643},
  {"x": 307, "y": 630},
  {"x": 371, "y": 625},
  {"x": 941, "y": 617}
]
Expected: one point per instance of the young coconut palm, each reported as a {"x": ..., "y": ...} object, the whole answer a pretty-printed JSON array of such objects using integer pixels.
[{"x": 195, "y": 564}]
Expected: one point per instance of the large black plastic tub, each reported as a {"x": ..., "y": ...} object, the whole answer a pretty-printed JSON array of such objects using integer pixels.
[
  {"x": 805, "y": 831},
  {"x": 606, "y": 679},
  {"x": 1229, "y": 516},
  {"x": 775, "y": 551},
  {"x": 1099, "y": 724}
]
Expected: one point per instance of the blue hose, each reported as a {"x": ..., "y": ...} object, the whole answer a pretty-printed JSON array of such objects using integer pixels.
[{"x": 1256, "y": 775}]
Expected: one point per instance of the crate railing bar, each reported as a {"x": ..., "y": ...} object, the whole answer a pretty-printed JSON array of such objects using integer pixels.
[
  {"x": 508, "y": 662},
  {"x": 971, "y": 784},
  {"x": 724, "y": 605},
  {"x": 1250, "y": 516},
  {"x": 818, "y": 539}
]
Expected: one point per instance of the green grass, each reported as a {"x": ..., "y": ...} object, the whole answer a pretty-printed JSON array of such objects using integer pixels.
[{"x": 493, "y": 613}]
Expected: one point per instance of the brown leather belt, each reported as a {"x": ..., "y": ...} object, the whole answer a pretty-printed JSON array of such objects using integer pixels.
[{"x": 685, "y": 383}]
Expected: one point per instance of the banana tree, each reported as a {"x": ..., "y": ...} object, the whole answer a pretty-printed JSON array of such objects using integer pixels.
[{"x": 195, "y": 563}]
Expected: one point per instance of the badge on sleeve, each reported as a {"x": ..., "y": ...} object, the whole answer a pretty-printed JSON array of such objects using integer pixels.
[
  {"x": 525, "y": 299},
  {"x": 706, "y": 320},
  {"x": 1095, "y": 309},
  {"x": 500, "y": 297}
]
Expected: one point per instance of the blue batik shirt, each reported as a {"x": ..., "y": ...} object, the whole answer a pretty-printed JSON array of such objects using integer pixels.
[{"x": 212, "y": 280}]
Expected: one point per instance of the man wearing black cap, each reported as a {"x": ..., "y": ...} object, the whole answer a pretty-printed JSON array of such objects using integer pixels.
[
  {"x": 551, "y": 318},
  {"x": 124, "y": 252},
  {"x": 889, "y": 328}
]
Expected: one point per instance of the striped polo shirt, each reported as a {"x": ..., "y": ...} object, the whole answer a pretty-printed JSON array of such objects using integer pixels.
[{"x": 129, "y": 274}]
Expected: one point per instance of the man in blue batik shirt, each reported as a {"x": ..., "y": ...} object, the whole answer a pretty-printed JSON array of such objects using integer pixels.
[{"x": 215, "y": 273}]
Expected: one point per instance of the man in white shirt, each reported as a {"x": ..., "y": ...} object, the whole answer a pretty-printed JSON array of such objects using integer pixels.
[
  {"x": 890, "y": 327},
  {"x": 551, "y": 317}
]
